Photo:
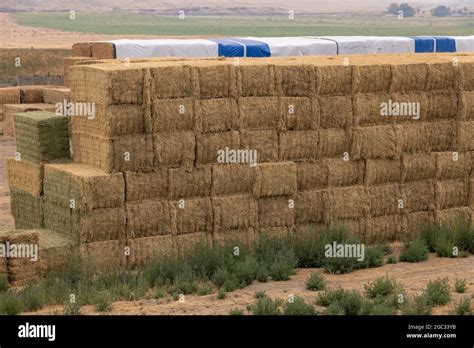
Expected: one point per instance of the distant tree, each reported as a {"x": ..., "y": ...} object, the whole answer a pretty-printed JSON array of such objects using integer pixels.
[
  {"x": 393, "y": 9},
  {"x": 407, "y": 10},
  {"x": 441, "y": 11}
]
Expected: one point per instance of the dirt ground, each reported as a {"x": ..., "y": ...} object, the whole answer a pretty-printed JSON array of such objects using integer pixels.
[{"x": 7, "y": 149}]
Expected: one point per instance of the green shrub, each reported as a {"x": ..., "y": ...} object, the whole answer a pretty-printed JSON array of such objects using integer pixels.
[
  {"x": 418, "y": 305},
  {"x": 464, "y": 236},
  {"x": 414, "y": 251},
  {"x": 329, "y": 296},
  {"x": 350, "y": 301},
  {"x": 221, "y": 276},
  {"x": 437, "y": 292},
  {"x": 392, "y": 259},
  {"x": 444, "y": 246},
  {"x": 265, "y": 306},
  {"x": 260, "y": 294},
  {"x": 373, "y": 257},
  {"x": 221, "y": 294},
  {"x": 460, "y": 285},
  {"x": 283, "y": 266},
  {"x": 334, "y": 308},
  {"x": 431, "y": 234},
  {"x": 3, "y": 283},
  {"x": 103, "y": 302},
  {"x": 308, "y": 247},
  {"x": 262, "y": 273},
  {"x": 33, "y": 298},
  {"x": 204, "y": 290},
  {"x": 10, "y": 304},
  {"x": 298, "y": 307},
  {"x": 463, "y": 307},
  {"x": 185, "y": 282},
  {"x": 315, "y": 282},
  {"x": 382, "y": 286},
  {"x": 246, "y": 271},
  {"x": 236, "y": 311},
  {"x": 371, "y": 308},
  {"x": 160, "y": 293},
  {"x": 72, "y": 308}
]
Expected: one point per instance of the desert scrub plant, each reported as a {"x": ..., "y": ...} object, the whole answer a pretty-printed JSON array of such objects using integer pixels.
[
  {"x": 431, "y": 234},
  {"x": 10, "y": 304},
  {"x": 315, "y": 282},
  {"x": 382, "y": 286},
  {"x": 298, "y": 307},
  {"x": 160, "y": 292},
  {"x": 262, "y": 273},
  {"x": 204, "y": 290},
  {"x": 246, "y": 271},
  {"x": 460, "y": 285},
  {"x": 221, "y": 294},
  {"x": 392, "y": 259},
  {"x": 32, "y": 298},
  {"x": 236, "y": 311},
  {"x": 266, "y": 306},
  {"x": 437, "y": 292},
  {"x": 418, "y": 305},
  {"x": 3, "y": 283},
  {"x": 72, "y": 308},
  {"x": 260, "y": 294},
  {"x": 349, "y": 300},
  {"x": 463, "y": 307},
  {"x": 414, "y": 251},
  {"x": 283, "y": 265},
  {"x": 373, "y": 257},
  {"x": 103, "y": 301},
  {"x": 371, "y": 308}
]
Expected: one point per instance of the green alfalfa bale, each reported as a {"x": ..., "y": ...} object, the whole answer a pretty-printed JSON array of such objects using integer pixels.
[
  {"x": 27, "y": 210},
  {"x": 57, "y": 217},
  {"x": 41, "y": 136}
]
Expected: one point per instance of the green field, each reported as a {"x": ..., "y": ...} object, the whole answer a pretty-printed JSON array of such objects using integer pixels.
[{"x": 141, "y": 24}]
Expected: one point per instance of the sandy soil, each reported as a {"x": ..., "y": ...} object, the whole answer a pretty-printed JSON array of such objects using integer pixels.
[
  {"x": 414, "y": 278},
  {"x": 7, "y": 149}
]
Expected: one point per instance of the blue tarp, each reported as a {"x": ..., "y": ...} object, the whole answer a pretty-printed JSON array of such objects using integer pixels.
[
  {"x": 445, "y": 44},
  {"x": 424, "y": 44},
  {"x": 242, "y": 48}
]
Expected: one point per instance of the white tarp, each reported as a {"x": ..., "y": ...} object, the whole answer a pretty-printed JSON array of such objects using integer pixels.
[
  {"x": 165, "y": 48},
  {"x": 372, "y": 44},
  {"x": 464, "y": 43},
  {"x": 297, "y": 46}
]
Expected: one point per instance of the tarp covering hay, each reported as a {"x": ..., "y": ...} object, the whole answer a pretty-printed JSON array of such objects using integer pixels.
[
  {"x": 232, "y": 179},
  {"x": 276, "y": 179},
  {"x": 149, "y": 218},
  {"x": 298, "y": 145},
  {"x": 191, "y": 215},
  {"x": 27, "y": 210},
  {"x": 146, "y": 186},
  {"x": 25, "y": 176},
  {"x": 381, "y": 171},
  {"x": 276, "y": 212},
  {"x": 234, "y": 212},
  {"x": 264, "y": 142},
  {"x": 336, "y": 112},
  {"x": 418, "y": 167},
  {"x": 213, "y": 115},
  {"x": 41, "y": 136},
  {"x": 260, "y": 113},
  {"x": 208, "y": 145},
  {"x": 185, "y": 183}
]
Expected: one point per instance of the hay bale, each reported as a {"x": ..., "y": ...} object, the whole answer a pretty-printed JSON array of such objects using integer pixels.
[
  {"x": 312, "y": 175},
  {"x": 55, "y": 251},
  {"x": 105, "y": 256},
  {"x": 186, "y": 183},
  {"x": 217, "y": 115},
  {"x": 371, "y": 78},
  {"x": 442, "y": 76},
  {"x": 276, "y": 232},
  {"x": 336, "y": 112},
  {"x": 442, "y": 105},
  {"x": 171, "y": 115},
  {"x": 299, "y": 113},
  {"x": 471, "y": 194},
  {"x": 334, "y": 80},
  {"x": 53, "y": 95},
  {"x": 264, "y": 142},
  {"x": 208, "y": 146},
  {"x": 418, "y": 196},
  {"x": 103, "y": 50},
  {"x": 296, "y": 80},
  {"x": 412, "y": 138},
  {"x": 333, "y": 142},
  {"x": 382, "y": 228},
  {"x": 382, "y": 171},
  {"x": 70, "y": 61},
  {"x": 451, "y": 165},
  {"x": 3, "y": 260},
  {"x": 145, "y": 250},
  {"x": 9, "y": 111},
  {"x": 10, "y": 95},
  {"x": 174, "y": 149},
  {"x": 275, "y": 179},
  {"x": 452, "y": 193},
  {"x": 234, "y": 212},
  {"x": 31, "y": 94},
  {"x": 298, "y": 145},
  {"x": 148, "y": 218},
  {"x": 172, "y": 82},
  {"x": 238, "y": 236},
  {"x": 261, "y": 113},
  {"x": 58, "y": 217},
  {"x": 367, "y": 110},
  {"x": 256, "y": 80},
  {"x": 465, "y": 135},
  {"x": 24, "y": 269},
  {"x": 82, "y": 49},
  {"x": 93, "y": 150},
  {"x": 191, "y": 215},
  {"x": 375, "y": 142},
  {"x": 345, "y": 173},
  {"x": 133, "y": 153},
  {"x": 452, "y": 217},
  {"x": 186, "y": 243},
  {"x": 418, "y": 167},
  {"x": 309, "y": 206},
  {"x": 442, "y": 135},
  {"x": 41, "y": 136},
  {"x": 467, "y": 76},
  {"x": 216, "y": 80},
  {"x": 275, "y": 212},
  {"x": 467, "y": 105},
  {"x": 232, "y": 179},
  {"x": 415, "y": 223},
  {"x": 27, "y": 210},
  {"x": 144, "y": 186},
  {"x": 409, "y": 77},
  {"x": 346, "y": 203},
  {"x": 407, "y": 104},
  {"x": 25, "y": 176},
  {"x": 384, "y": 199},
  {"x": 98, "y": 225}
]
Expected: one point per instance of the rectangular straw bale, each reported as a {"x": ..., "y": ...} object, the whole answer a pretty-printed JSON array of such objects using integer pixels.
[
  {"x": 375, "y": 142},
  {"x": 452, "y": 217},
  {"x": 465, "y": 135},
  {"x": 172, "y": 82},
  {"x": 105, "y": 256},
  {"x": 383, "y": 228},
  {"x": 275, "y": 212},
  {"x": 10, "y": 110},
  {"x": 70, "y": 61},
  {"x": 333, "y": 142},
  {"x": 187, "y": 243},
  {"x": 56, "y": 250},
  {"x": 216, "y": 81},
  {"x": 236, "y": 236},
  {"x": 257, "y": 80},
  {"x": 25, "y": 176},
  {"x": 260, "y": 113},
  {"x": 346, "y": 203},
  {"x": 442, "y": 76},
  {"x": 345, "y": 173},
  {"x": 371, "y": 78},
  {"x": 171, "y": 115},
  {"x": 411, "y": 107},
  {"x": 58, "y": 217},
  {"x": 234, "y": 212},
  {"x": 148, "y": 218},
  {"x": 3, "y": 260},
  {"x": 232, "y": 179},
  {"x": 296, "y": 80},
  {"x": 298, "y": 145},
  {"x": 185, "y": 183},
  {"x": 93, "y": 150},
  {"x": 53, "y": 95},
  {"x": 442, "y": 135},
  {"x": 418, "y": 167},
  {"x": 27, "y": 210},
  {"x": 144, "y": 186},
  {"x": 82, "y": 49},
  {"x": 309, "y": 206},
  {"x": 264, "y": 142},
  {"x": 103, "y": 50},
  {"x": 453, "y": 165},
  {"x": 174, "y": 149},
  {"x": 134, "y": 153},
  {"x": 31, "y": 94},
  {"x": 381, "y": 171},
  {"x": 419, "y": 196},
  {"x": 412, "y": 138},
  {"x": 409, "y": 77},
  {"x": 452, "y": 193},
  {"x": 276, "y": 179},
  {"x": 312, "y": 175},
  {"x": 415, "y": 223},
  {"x": 471, "y": 194},
  {"x": 217, "y": 115},
  {"x": 144, "y": 250},
  {"x": 442, "y": 105},
  {"x": 99, "y": 225},
  {"x": 334, "y": 80},
  {"x": 209, "y": 145},
  {"x": 466, "y": 108},
  {"x": 192, "y": 215},
  {"x": 467, "y": 76},
  {"x": 299, "y": 113},
  {"x": 368, "y": 109},
  {"x": 24, "y": 269},
  {"x": 384, "y": 199},
  {"x": 336, "y": 112},
  {"x": 10, "y": 95}
]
